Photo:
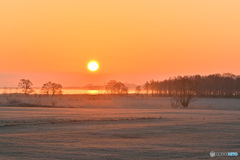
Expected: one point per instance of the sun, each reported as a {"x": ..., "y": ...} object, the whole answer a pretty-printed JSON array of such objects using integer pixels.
[{"x": 93, "y": 66}]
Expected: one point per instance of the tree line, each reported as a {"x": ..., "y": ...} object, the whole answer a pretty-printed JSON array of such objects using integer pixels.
[
  {"x": 214, "y": 85},
  {"x": 182, "y": 89}
]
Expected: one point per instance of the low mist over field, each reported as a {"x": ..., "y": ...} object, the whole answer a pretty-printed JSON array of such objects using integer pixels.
[{"x": 110, "y": 127}]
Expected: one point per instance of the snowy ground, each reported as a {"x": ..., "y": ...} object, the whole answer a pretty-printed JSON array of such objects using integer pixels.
[{"x": 120, "y": 128}]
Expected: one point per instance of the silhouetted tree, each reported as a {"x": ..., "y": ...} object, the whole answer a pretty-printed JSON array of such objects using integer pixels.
[
  {"x": 51, "y": 88},
  {"x": 109, "y": 87},
  {"x": 114, "y": 87},
  {"x": 26, "y": 86},
  {"x": 138, "y": 89},
  {"x": 152, "y": 86},
  {"x": 146, "y": 87},
  {"x": 185, "y": 90},
  {"x": 120, "y": 88}
]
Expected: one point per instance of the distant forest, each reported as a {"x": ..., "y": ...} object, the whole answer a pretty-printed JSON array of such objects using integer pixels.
[{"x": 215, "y": 85}]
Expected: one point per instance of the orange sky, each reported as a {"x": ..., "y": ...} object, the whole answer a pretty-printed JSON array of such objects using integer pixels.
[{"x": 133, "y": 40}]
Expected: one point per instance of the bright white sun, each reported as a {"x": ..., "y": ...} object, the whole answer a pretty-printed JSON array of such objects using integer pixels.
[{"x": 93, "y": 66}]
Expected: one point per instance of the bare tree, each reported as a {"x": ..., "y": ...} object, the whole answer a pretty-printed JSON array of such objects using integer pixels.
[
  {"x": 146, "y": 87},
  {"x": 114, "y": 87},
  {"x": 26, "y": 86},
  {"x": 110, "y": 87},
  {"x": 138, "y": 89},
  {"x": 185, "y": 91},
  {"x": 51, "y": 88},
  {"x": 121, "y": 88},
  {"x": 46, "y": 88}
]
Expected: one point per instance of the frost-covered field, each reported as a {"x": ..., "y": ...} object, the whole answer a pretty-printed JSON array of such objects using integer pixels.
[{"x": 95, "y": 127}]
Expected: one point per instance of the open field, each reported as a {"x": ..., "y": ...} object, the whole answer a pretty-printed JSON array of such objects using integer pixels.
[{"x": 113, "y": 127}]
